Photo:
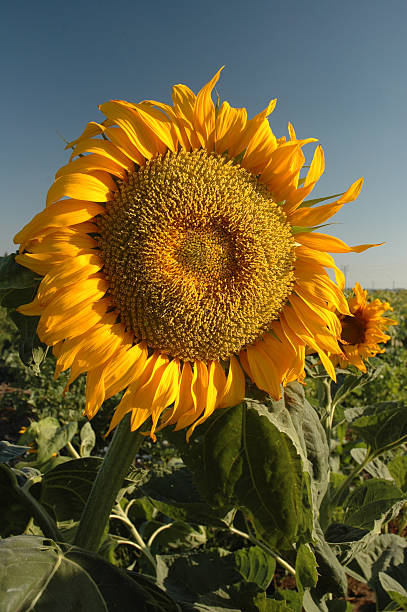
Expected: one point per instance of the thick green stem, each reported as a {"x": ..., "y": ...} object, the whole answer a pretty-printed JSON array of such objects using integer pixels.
[{"x": 109, "y": 480}]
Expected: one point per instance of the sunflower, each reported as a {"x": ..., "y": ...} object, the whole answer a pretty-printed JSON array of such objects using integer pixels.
[
  {"x": 177, "y": 255},
  {"x": 362, "y": 330}
]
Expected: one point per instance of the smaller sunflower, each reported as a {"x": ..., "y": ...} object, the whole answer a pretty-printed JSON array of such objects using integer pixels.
[{"x": 363, "y": 330}]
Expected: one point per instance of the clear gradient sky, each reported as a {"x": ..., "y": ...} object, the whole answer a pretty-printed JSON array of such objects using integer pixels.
[{"x": 338, "y": 70}]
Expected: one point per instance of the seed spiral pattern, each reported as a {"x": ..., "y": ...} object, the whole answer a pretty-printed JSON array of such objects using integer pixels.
[{"x": 198, "y": 257}]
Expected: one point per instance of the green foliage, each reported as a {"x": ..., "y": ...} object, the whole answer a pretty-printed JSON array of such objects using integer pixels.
[
  {"x": 262, "y": 488},
  {"x": 250, "y": 457},
  {"x": 66, "y": 487},
  {"x": 38, "y": 571},
  {"x": 305, "y": 568},
  {"x": 398, "y": 469},
  {"x": 173, "y": 492},
  {"x": 382, "y": 426},
  {"x": 371, "y": 502}
]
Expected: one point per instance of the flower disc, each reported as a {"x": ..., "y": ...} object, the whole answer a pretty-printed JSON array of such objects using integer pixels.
[{"x": 198, "y": 257}]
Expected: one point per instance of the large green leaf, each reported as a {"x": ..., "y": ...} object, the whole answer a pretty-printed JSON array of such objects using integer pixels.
[
  {"x": 382, "y": 426},
  {"x": 37, "y": 572},
  {"x": 372, "y": 503},
  {"x": 312, "y": 435},
  {"x": 250, "y": 457},
  {"x": 173, "y": 492},
  {"x": 33, "y": 572}
]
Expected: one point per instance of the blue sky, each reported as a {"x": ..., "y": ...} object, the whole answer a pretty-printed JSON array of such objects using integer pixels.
[{"x": 338, "y": 70}]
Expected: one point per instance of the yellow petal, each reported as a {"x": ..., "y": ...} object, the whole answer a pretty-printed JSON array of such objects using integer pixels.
[
  {"x": 92, "y": 162},
  {"x": 183, "y": 99},
  {"x": 157, "y": 388},
  {"x": 91, "y": 289},
  {"x": 138, "y": 133},
  {"x": 67, "y": 212},
  {"x": 126, "y": 368},
  {"x": 34, "y": 308},
  {"x": 264, "y": 371},
  {"x": 166, "y": 394},
  {"x": 229, "y": 124},
  {"x": 95, "y": 391},
  {"x": 67, "y": 243},
  {"x": 261, "y": 146},
  {"x": 37, "y": 262},
  {"x": 323, "y": 289},
  {"x": 126, "y": 405},
  {"x": 323, "y": 242},
  {"x": 250, "y": 129},
  {"x": 309, "y": 217},
  {"x": 204, "y": 111},
  {"x": 120, "y": 140},
  {"x": 245, "y": 364},
  {"x": 81, "y": 186},
  {"x": 92, "y": 129},
  {"x": 316, "y": 168},
  {"x": 106, "y": 149},
  {"x": 215, "y": 389},
  {"x": 68, "y": 325},
  {"x": 235, "y": 385},
  {"x": 73, "y": 270},
  {"x": 157, "y": 122},
  {"x": 310, "y": 326},
  {"x": 199, "y": 390},
  {"x": 291, "y": 131},
  {"x": 100, "y": 345}
]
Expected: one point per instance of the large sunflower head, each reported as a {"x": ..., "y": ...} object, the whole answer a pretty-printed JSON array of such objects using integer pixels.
[
  {"x": 177, "y": 255},
  {"x": 363, "y": 330}
]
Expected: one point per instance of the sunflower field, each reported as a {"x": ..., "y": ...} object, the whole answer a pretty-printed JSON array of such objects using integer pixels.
[{"x": 195, "y": 413}]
